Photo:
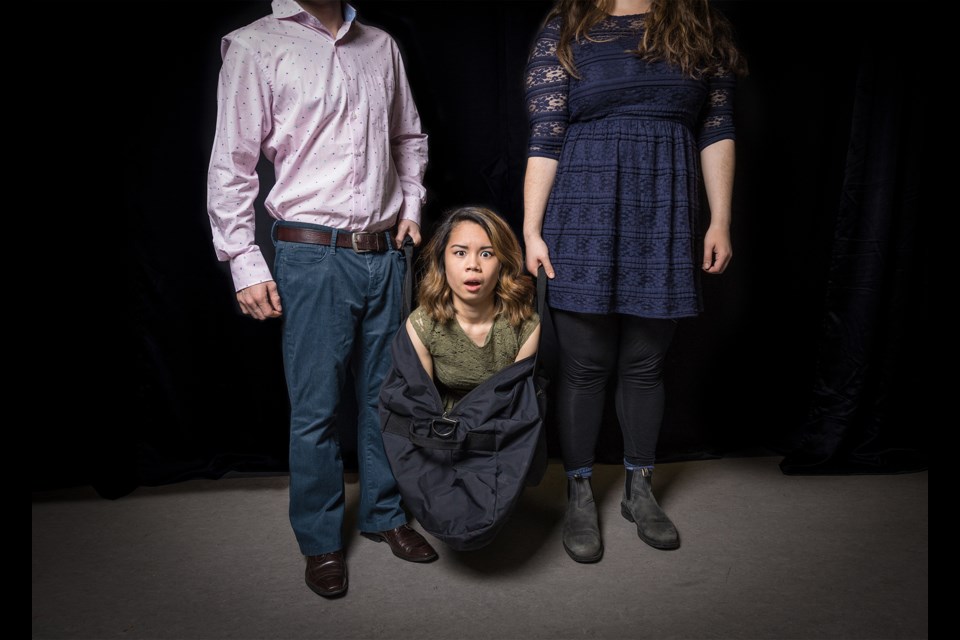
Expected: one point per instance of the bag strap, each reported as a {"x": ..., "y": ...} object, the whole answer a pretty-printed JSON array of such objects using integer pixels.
[
  {"x": 541, "y": 289},
  {"x": 407, "y": 280},
  {"x": 541, "y": 307},
  {"x": 471, "y": 442},
  {"x": 428, "y": 438}
]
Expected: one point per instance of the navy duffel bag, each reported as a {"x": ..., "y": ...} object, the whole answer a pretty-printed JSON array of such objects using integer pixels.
[{"x": 461, "y": 473}]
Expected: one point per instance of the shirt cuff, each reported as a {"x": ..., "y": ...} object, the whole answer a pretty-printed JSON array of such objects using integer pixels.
[
  {"x": 411, "y": 209},
  {"x": 249, "y": 269}
]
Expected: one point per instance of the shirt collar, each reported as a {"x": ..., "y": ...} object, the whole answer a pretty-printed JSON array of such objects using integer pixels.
[{"x": 290, "y": 8}]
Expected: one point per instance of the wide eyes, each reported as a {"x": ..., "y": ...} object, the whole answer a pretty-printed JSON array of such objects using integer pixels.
[{"x": 483, "y": 254}]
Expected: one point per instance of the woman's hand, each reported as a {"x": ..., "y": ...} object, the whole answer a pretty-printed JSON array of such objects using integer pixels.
[
  {"x": 717, "y": 250},
  {"x": 537, "y": 254},
  {"x": 537, "y": 183}
]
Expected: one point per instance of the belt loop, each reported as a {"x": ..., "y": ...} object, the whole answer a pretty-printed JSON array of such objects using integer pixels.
[
  {"x": 273, "y": 231},
  {"x": 333, "y": 240},
  {"x": 386, "y": 234}
]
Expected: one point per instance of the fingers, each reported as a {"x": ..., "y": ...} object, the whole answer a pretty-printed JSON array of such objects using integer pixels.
[
  {"x": 717, "y": 250},
  {"x": 408, "y": 228},
  {"x": 547, "y": 267},
  {"x": 273, "y": 298},
  {"x": 538, "y": 254},
  {"x": 414, "y": 233},
  {"x": 533, "y": 265},
  {"x": 260, "y": 301},
  {"x": 242, "y": 301},
  {"x": 722, "y": 261},
  {"x": 707, "y": 257},
  {"x": 716, "y": 258}
]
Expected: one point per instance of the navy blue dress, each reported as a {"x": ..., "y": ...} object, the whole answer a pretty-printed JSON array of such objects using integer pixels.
[{"x": 621, "y": 221}]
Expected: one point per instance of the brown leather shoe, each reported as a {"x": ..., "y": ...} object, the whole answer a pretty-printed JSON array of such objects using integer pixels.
[
  {"x": 326, "y": 574},
  {"x": 405, "y": 543}
]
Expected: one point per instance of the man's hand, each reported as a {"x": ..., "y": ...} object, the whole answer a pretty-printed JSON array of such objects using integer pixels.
[
  {"x": 260, "y": 301},
  {"x": 408, "y": 228}
]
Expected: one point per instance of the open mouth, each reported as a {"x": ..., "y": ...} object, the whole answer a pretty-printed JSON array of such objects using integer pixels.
[{"x": 472, "y": 285}]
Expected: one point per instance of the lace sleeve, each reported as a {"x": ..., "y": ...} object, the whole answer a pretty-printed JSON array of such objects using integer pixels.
[
  {"x": 546, "y": 95},
  {"x": 716, "y": 121}
]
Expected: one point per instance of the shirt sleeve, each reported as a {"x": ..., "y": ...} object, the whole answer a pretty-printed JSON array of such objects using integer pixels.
[
  {"x": 408, "y": 143},
  {"x": 527, "y": 328},
  {"x": 243, "y": 121},
  {"x": 423, "y": 324},
  {"x": 546, "y": 85},
  {"x": 716, "y": 121}
]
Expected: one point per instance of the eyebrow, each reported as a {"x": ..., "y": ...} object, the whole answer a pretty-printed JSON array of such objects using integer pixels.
[{"x": 463, "y": 246}]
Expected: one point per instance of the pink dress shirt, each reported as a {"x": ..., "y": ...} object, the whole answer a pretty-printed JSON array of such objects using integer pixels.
[{"x": 335, "y": 116}]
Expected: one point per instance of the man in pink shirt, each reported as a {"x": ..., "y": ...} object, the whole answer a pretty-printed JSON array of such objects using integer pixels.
[{"x": 326, "y": 99}]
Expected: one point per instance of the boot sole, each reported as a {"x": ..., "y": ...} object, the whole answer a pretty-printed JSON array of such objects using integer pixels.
[
  {"x": 656, "y": 545},
  {"x": 582, "y": 559}
]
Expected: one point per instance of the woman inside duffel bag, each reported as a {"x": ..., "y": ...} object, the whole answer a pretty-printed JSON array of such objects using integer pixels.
[
  {"x": 460, "y": 410},
  {"x": 476, "y": 306}
]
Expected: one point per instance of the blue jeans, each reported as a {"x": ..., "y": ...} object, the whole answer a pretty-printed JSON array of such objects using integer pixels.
[{"x": 341, "y": 310}]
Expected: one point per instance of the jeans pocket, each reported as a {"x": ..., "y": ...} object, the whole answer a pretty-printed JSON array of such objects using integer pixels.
[{"x": 300, "y": 252}]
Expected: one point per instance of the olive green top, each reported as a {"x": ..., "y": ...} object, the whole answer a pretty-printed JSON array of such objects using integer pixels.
[{"x": 459, "y": 364}]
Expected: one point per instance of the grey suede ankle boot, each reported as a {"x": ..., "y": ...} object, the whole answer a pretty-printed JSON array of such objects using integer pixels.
[
  {"x": 640, "y": 506},
  {"x": 581, "y": 530}
]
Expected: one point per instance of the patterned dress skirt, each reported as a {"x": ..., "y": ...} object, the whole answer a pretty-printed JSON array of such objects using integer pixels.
[{"x": 621, "y": 221}]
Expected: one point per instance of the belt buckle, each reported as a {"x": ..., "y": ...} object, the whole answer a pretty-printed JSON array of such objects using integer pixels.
[{"x": 353, "y": 240}]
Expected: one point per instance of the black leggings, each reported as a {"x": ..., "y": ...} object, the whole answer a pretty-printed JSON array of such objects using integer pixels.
[{"x": 592, "y": 347}]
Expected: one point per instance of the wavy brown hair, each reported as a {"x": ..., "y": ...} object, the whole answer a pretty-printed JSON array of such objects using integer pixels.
[
  {"x": 687, "y": 33},
  {"x": 513, "y": 295}
]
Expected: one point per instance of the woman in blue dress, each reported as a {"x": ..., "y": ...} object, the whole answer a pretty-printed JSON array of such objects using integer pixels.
[{"x": 631, "y": 110}]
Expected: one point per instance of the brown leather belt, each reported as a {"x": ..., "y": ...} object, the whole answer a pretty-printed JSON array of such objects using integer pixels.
[{"x": 359, "y": 241}]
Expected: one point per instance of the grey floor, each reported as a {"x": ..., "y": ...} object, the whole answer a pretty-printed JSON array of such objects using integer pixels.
[{"x": 763, "y": 556}]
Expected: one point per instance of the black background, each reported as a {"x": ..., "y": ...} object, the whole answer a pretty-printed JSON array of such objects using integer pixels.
[{"x": 158, "y": 378}]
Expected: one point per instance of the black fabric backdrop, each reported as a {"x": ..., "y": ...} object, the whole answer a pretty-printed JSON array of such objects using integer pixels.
[{"x": 814, "y": 343}]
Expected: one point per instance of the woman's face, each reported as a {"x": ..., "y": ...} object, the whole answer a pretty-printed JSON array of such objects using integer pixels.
[{"x": 471, "y": 266}]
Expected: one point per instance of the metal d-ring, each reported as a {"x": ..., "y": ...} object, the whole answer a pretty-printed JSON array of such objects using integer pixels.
[{"x": 443, "y": 427}]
